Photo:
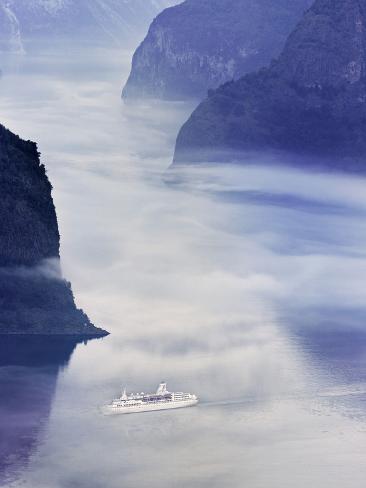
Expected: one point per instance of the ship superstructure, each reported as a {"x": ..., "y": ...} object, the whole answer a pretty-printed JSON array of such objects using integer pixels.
[{"x": 142, "y": 402}]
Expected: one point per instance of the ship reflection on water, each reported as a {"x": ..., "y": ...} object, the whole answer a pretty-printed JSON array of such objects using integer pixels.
[
  {"x": 29, "y": 368},
  {"x": 29, "y": 372}
]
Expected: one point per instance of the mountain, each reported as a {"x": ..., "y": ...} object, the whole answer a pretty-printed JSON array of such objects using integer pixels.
[
  {"x": 310, "y": 102},
  {"x": 34, "y": 298},
  {"x": 24, "y": 21},
  {"x": 201, "y": 44}
]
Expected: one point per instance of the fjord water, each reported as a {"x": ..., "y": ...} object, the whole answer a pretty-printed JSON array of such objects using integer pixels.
[{"x": 245, "y": 286}]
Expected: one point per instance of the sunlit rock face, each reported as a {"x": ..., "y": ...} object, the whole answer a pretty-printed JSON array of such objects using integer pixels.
[
  {"x": 34, "y": 298},
  {"x": 24, "y": 21},
  {"x": 201, "y": 44},
  {"x": 310, "y": 102}
]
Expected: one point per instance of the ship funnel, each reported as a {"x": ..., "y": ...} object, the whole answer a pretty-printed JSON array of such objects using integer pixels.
[
  {"x": 124, "y": 394},
  {"x": 162, "y": 389}
]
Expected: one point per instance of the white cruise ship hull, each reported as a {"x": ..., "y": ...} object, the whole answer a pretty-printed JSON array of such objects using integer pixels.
[{"x": 115, "y": 409}]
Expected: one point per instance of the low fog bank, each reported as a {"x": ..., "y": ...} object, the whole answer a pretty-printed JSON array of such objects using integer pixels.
[
  {"x": 208, "y": 284},
  {"x": 207, "y": 269}
]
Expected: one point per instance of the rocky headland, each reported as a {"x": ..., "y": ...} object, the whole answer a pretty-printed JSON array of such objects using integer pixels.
[
  {"x": 34, "y": 297},
  {"x": 309, "y": 105}
]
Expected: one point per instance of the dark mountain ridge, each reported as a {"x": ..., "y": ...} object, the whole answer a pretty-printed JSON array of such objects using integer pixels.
[
  {"x": 28, "y": 216},
  {"x": 311, "y": 102},
  {"x": 34, "y": 297}
]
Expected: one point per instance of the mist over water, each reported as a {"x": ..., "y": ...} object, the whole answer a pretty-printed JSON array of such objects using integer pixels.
[{"x": 243, "y": 285}]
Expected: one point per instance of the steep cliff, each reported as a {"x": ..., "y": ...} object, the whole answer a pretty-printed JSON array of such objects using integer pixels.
[
  {"x": 201, "y": 44},
  {"x": 310, "y": 102},
  {"x": 34, "y": 298}
]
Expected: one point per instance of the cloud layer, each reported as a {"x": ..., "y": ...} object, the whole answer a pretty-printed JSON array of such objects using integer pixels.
[{"x": 206, "y": 284}]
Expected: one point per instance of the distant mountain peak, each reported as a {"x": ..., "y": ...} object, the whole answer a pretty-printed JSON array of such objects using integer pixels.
[{"x": 116, "y": 21}]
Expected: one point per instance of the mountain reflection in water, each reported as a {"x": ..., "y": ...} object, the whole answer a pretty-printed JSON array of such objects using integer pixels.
[{"x": 29, "y": 368}]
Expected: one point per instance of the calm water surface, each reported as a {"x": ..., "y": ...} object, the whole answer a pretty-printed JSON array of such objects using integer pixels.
[{"x": 245, "y": 286}]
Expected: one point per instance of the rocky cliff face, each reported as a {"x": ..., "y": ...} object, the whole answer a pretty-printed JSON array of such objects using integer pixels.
[
  {"x": 201, "y": 44},
  {"x": 25, "y": 21},
  {"x": 310, "y": 102},
  {"x": 34, "y": 298},
  {"x": 28, "y": 225}
]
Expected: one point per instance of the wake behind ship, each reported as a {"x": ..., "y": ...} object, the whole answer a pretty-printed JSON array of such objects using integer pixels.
[{"x": 141, "y": 402}]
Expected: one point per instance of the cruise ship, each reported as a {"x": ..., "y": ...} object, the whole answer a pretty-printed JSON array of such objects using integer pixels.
[{"x": 142, "y": 402}]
